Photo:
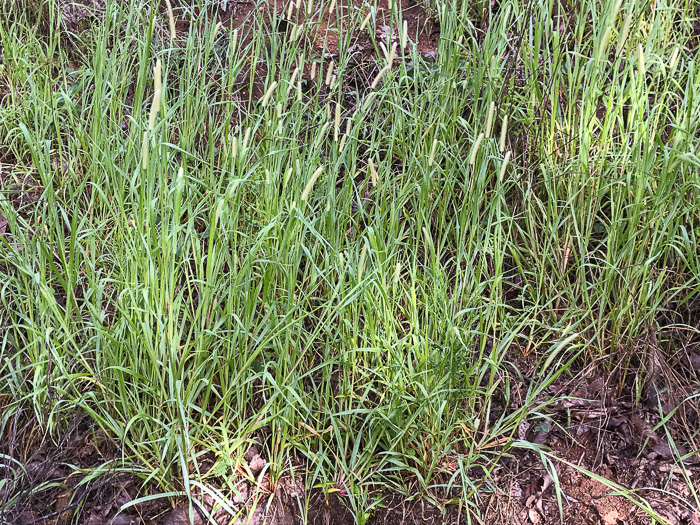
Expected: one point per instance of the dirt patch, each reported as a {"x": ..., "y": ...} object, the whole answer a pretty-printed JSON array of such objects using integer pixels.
[
  {"x": 72, "y": 478},
  {"x": 601, "y": 457}
]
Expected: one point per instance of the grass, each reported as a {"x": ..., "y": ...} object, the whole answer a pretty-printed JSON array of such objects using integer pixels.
[{"x": 344, "y": 265}]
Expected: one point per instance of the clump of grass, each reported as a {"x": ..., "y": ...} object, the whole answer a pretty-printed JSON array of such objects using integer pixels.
[{"x": 196, "y": 284}]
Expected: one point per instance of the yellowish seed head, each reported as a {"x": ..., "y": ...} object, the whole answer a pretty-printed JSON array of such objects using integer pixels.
[
  {"x": 475, "y": 149},
  {"x": 310, "y": 185}
]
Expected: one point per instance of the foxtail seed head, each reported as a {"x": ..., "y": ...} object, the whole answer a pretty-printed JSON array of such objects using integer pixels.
[
  {"x": 144, "y": 151},
  {"x": 155, "y": 108},
  {"x": 329, "y": 73},
  {"x": 246, "y": 139},
  {"x": 231, "y": 193},
  {"x": 489, "y": 120},
  {"x": 433, "y": 149},
  {"x": 503, "y": 167},
  {"x": 674, "y": 58},
  {"x": 180, "y": 181},
  {"x": 171, "y": 19},
  {"x": 365, "y": 21},
  {"x": 625, "y": 30},
  {"x": 336, "y": 126},
  {"x": 604, "y": 42},
  {"x": 321, "y": 135},
  {"x": 616, "y": 9},
  {"x": 392, "y": 53},
  {"x": 475, "y": 149},
  {"x": 379, "y": 76},
  {"x": 397, "y": 272},
  {"x": 384, "y": 50},
  {"x": 157, "y": 77},
  {"x": 504, "y": 128},
  {"x": 268, "y": 93},
  {"x": 361, "y": 264},
  {"x": 217, "y": 214},
  {"x": 310, "y": 185},
  {"x": 426, "y": 234},
  {"x": 234, "y": 40},
  {"x": 293, "y": 78},
  {"x": 373, "y": 173}
]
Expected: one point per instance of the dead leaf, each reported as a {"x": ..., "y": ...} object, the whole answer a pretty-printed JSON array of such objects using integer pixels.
[
  {"x": 541, "y": 437},
  {"x": 611, "y": 518},
  {"x": 695, "y": 361},
  {"x": 546, "y": 482},
  {"x": 539, "y": 506},
  {"x": 63, "y": 506},
  {"x": 251, "y": 453},
  {"x": 257, "y": 464},
  {"x": 533, "y": 490},
  {"x": 534, "y": 516}
]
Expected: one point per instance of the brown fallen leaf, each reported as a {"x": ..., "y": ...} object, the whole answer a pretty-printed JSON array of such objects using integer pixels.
[
  {"x": 541, "y": 437},
  {"x": 695, "y": 361},
  {"x": 534, "y": 516},
  {"x": 534, "y": 491},
  {"x": 257, "y": 464},
  {"x": 611, "y": 518},
  {"x": 63, "y": 505}
]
